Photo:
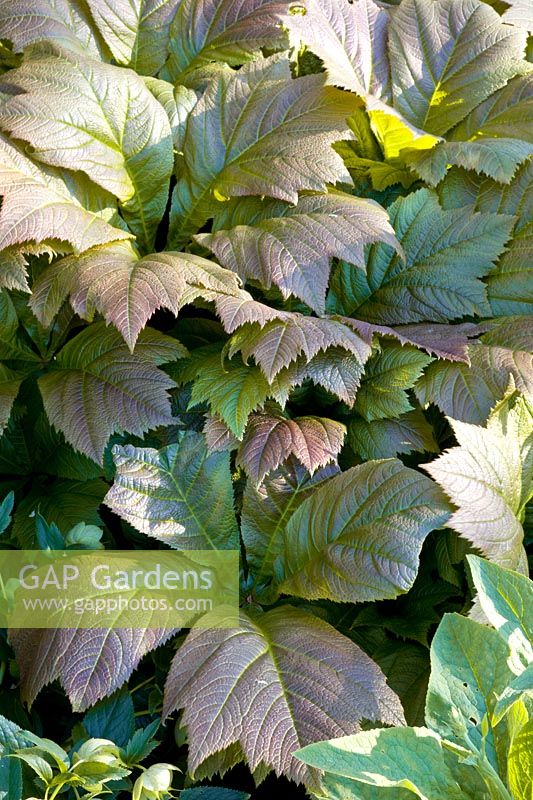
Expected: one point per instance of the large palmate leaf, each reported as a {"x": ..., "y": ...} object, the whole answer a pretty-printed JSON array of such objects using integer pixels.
[
  {"x": 137, "y": 32},
  {"x": 447, "y": 57},
  {"x": 266, "y": 509},
  {"x": 291, "y": 247},
  {"x": 127, "y": 289},
  {"x": 446, "y": 253},
  {"x": 470, "y": 393},
  {"x": 351, "y": 39},
  {"x": 223, "y": 30},
  {"x": 490, "y": 478},
  {"x": 89, "y": 663},
  {"x": 269, "y": 135},
  {"x": 62, "y": 22},
  {"x": 387, "y": 376},
  {"x": 277, "y": 682},
  {"x": 38, "y": 206},
  {"x": 97, "y": 387},
  {"x": 359, "y": 536},
  {"x": 270, "y": 439},
  {"x": 510, "y": 285},
  {"x": 181, "y": 495},
  {"x": 85, "y": 115}
]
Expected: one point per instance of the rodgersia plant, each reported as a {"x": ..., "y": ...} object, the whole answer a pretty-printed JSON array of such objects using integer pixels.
[{"x": 266, "y": 277}]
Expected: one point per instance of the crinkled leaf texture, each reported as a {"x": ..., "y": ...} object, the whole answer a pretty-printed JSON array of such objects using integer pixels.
[
  {"x": 291, "y": 247},
  {"x": 277, "y": 682},
  {"x": 97, "y": 387},
  {"x": 271, "y": 439},
  {"x": 89, "y": 663},
  {"x": 81, "y": 114},
  {"x": 489, "y": 477},
  {"x": 127, "y": 289},
  {"x": 181, "y": 495},
  {"x": 269, "y": 134},
  {"x": 358, "y": 537},
  {"x": 446, "y": 253}
]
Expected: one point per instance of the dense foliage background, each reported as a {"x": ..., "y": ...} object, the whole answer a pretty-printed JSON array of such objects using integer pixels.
[{"x": 266, "y": 275}]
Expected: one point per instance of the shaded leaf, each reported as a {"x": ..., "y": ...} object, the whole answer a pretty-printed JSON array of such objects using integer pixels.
[
  {"x": 267, "y": 508},
  {"x": 359, "y": 536},
  {"x": 283, "y": 678},
  {"x": 181, "y": 495},
  {"x": 469, "y": 393},
  {"x": 447, "y": 252},
  {"x": 387, "y": 376},
  {"x": 384, "y": 438}
]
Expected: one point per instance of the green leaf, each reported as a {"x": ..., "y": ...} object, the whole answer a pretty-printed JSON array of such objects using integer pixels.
[
  {"x": 112, "y": 718},
  {"x": 137, "y": 33},
  {"x": 468, "y": 672},
  {"x": 387, "y": 376},
  {"x": 266, "y": 509},
  {"x": 222, "y": 30},
  {"x": 489, "y": 477},
  {"x": 212, "y": 793},
  {"x": 9, "y": 389},
  {"x": 407, "y": 758},
  {"x": 406, "y": 666},
  {"x": 6, "y": 507},
  {"x": 65, "y": 502},
  {"x": 469, "y": 393},
  {"x": 520, "y": 763},
  {"x": 178, "y": 102},
  {"x": 384, "y": 438},
  {"x": 98, "y": 119},
  {"x": 359, "y": 536},
  {"x": 180, "y": 495},
  {"x": 446, "y": 252},
  {"x": 510, "y": 284},
  {"x": 232, "y": 389},
  {"x": 507, "y": 601},
  {"x": 290, "y": 677},
  {"x": 97, "y": 387},
  {"x": 257, "y": 116},
  {"x": 447, "y": 57}
]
